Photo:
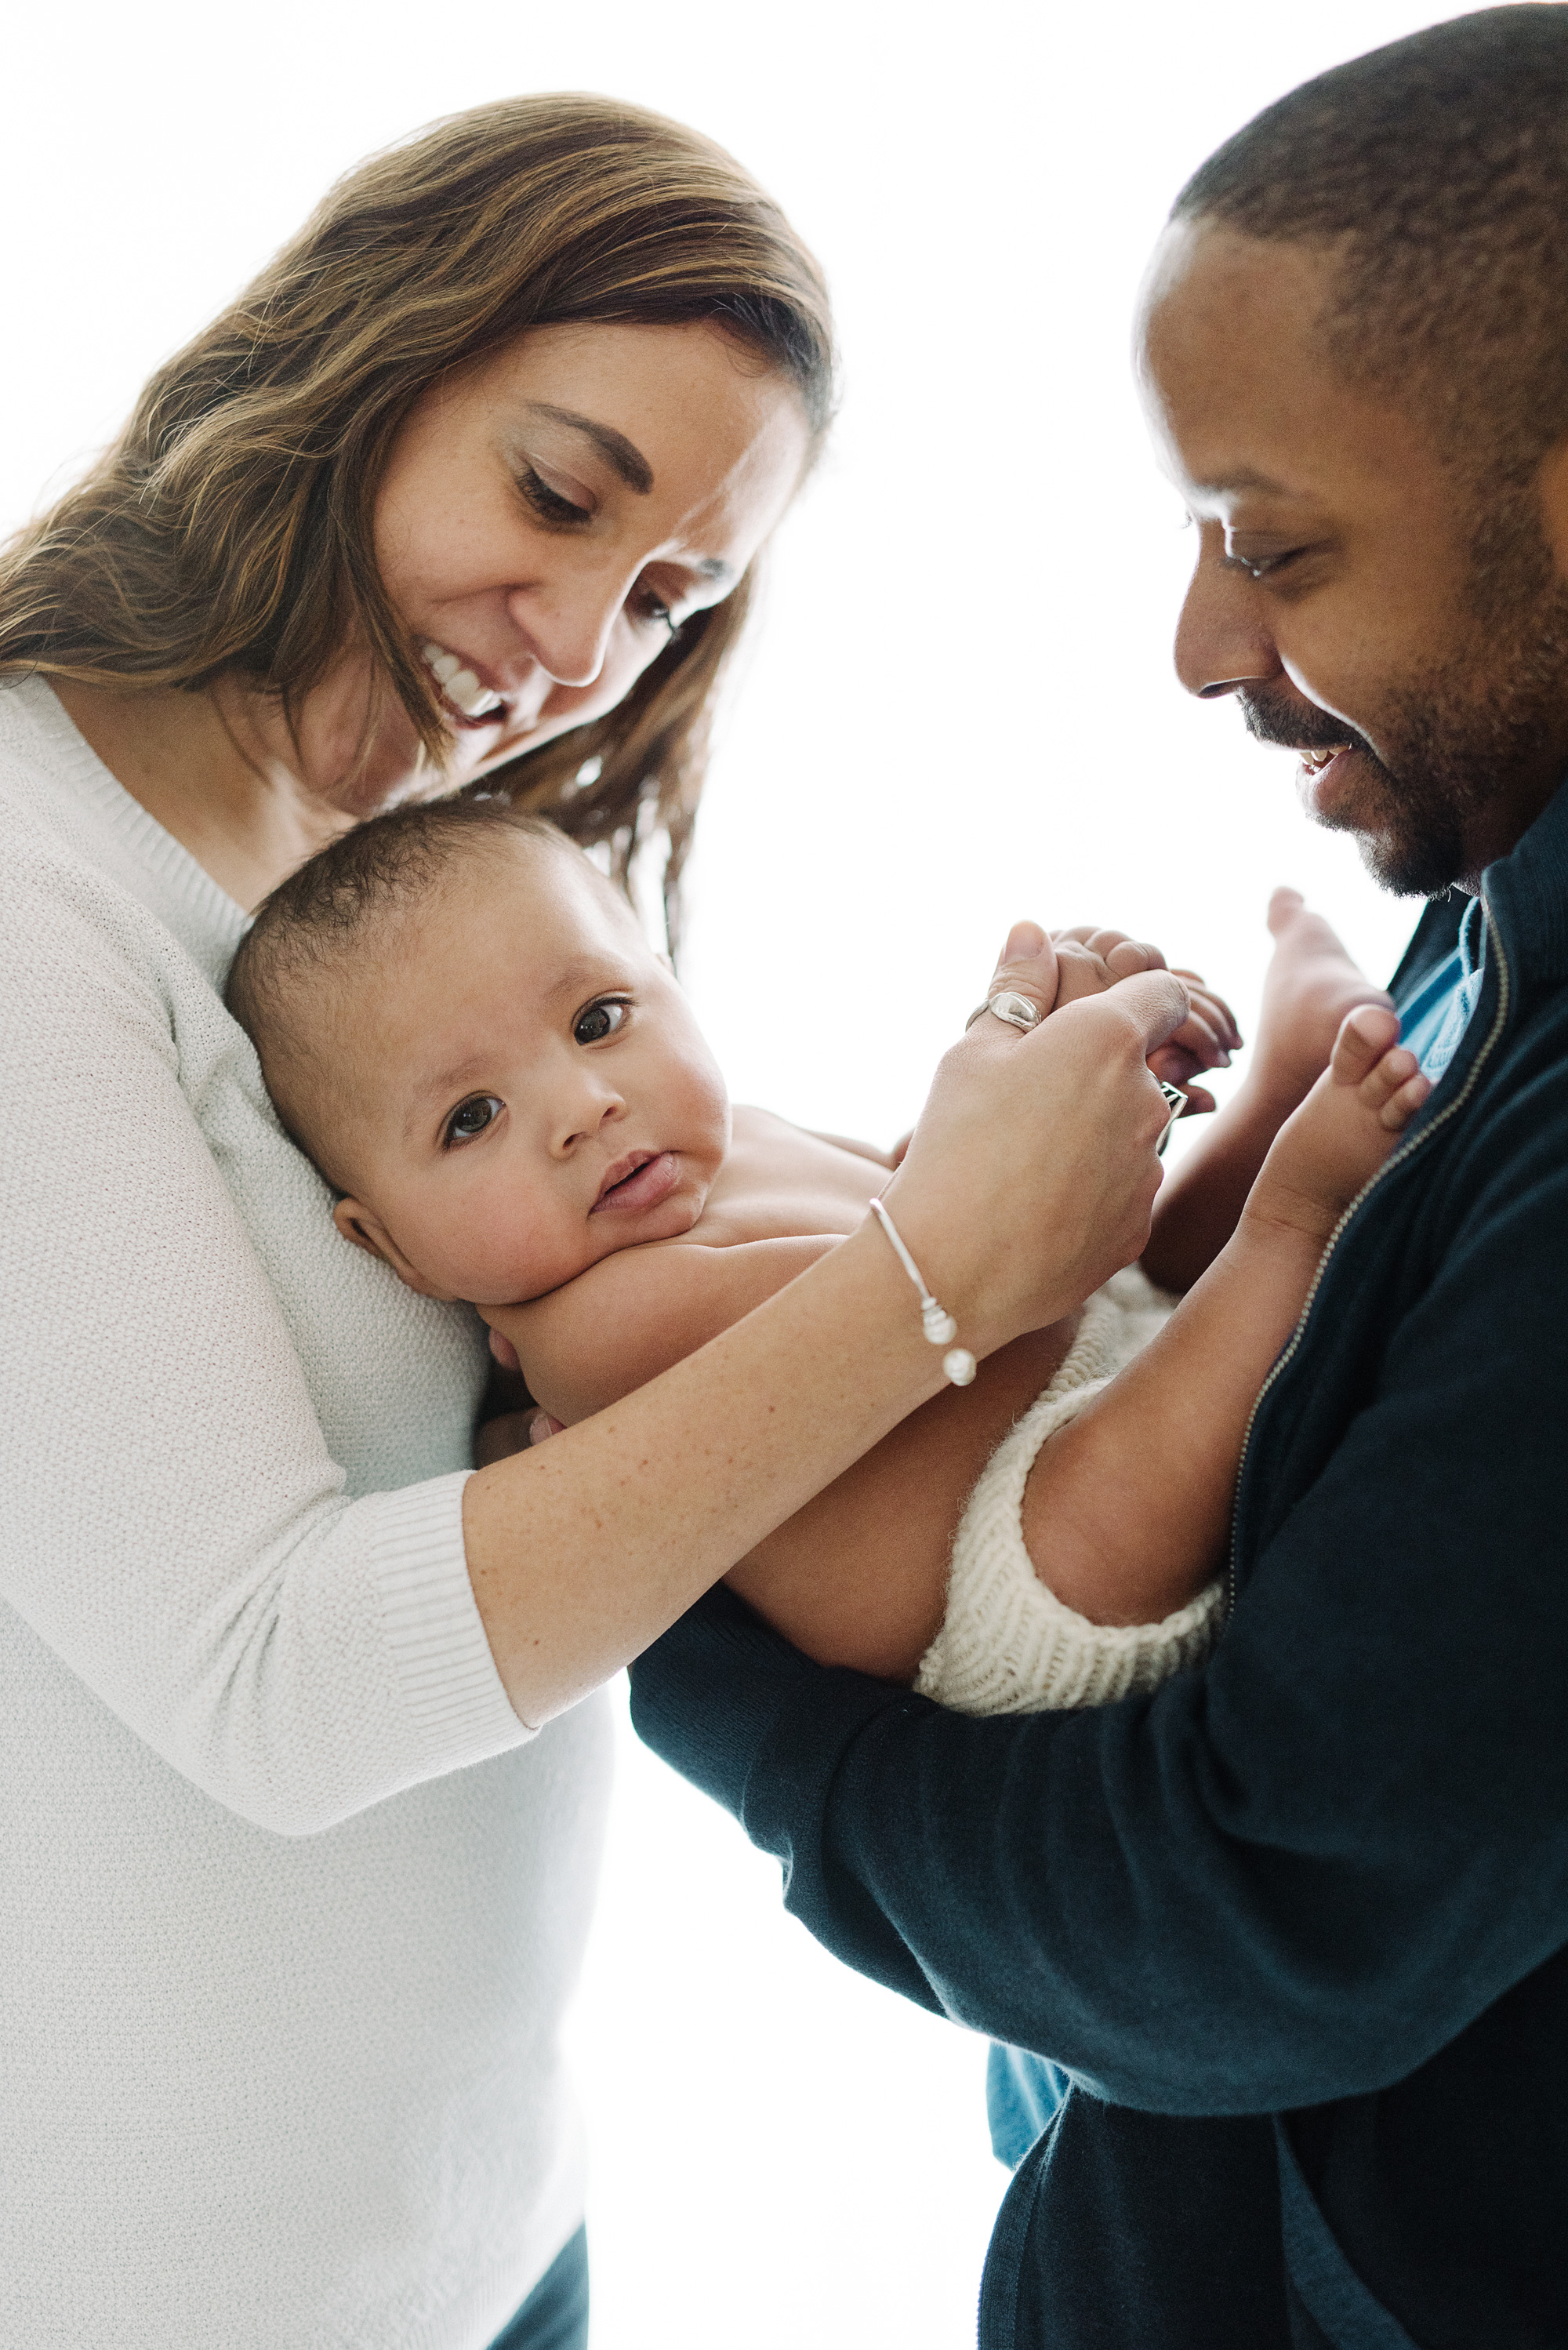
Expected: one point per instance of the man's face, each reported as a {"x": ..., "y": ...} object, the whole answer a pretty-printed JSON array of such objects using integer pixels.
[{"x": 1364, "y": 602}]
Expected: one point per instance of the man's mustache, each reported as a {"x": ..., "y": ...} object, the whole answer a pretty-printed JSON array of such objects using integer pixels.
[{"x": 1297, "y": 724}]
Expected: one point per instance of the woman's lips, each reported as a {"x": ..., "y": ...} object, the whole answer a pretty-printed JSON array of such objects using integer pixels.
[{"x": 640, "y": 1181}]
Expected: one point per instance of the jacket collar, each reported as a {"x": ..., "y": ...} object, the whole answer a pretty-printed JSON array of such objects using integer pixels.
[{"x": 1527, "y": 892}]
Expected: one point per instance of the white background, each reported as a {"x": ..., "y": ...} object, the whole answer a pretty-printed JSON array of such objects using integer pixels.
[{"x": 960, "y": 709}]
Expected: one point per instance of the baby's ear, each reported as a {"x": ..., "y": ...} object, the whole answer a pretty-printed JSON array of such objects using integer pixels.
[{"x": 365, "y": 1229}]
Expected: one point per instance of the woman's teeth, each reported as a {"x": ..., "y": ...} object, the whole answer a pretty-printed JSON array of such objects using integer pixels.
[{"x": 459, "y": 685}]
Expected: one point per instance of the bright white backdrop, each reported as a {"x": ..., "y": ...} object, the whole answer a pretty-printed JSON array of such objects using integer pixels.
[{"x": 960, "y": 709}]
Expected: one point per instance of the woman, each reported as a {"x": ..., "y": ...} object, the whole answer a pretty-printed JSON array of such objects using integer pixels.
[{"x": 299, "y": 1791}]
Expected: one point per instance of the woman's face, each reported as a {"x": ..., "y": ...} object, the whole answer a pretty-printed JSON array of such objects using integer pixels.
[{"x": 547, "y": 519}]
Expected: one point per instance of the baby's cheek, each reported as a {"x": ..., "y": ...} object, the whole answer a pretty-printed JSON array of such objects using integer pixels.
[{"x": 503, "y": 1254}]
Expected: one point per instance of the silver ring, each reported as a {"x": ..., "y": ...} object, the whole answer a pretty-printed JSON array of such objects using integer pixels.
[
  {"x": 1177, "y": 1101},
  {"x": 1016, "y": 1010}
]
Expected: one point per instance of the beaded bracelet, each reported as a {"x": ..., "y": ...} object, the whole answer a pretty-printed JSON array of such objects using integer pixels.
[{"x": 941, "y": 1329}]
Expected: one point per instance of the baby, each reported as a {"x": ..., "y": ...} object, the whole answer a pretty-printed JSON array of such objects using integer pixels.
[{"x": 461, "y": 1022}]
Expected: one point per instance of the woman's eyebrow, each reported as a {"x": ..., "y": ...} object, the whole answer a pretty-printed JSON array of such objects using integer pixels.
[{"x": 625, "y": 455}]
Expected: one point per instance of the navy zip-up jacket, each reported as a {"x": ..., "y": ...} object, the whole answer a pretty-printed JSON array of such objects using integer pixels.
[{"x": 1295, "y": 1924}]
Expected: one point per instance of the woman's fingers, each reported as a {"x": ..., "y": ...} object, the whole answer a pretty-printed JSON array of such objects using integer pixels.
[{"x": 1028, "y": 967}]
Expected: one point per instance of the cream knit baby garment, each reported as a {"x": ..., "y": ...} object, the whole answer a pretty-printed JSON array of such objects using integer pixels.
[{"x": 1008, "y": 1645}]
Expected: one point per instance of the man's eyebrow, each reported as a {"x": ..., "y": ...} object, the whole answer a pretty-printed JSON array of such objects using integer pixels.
[
  {"x": 625, "y": 455},
  {"x": 1244, "y": 477}
]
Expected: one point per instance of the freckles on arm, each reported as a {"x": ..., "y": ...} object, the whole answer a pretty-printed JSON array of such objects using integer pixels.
[{"x": 634, "y": 1314}]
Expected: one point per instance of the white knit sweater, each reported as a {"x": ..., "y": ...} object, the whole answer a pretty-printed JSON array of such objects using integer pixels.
[{"x": 292, "y": 1901}]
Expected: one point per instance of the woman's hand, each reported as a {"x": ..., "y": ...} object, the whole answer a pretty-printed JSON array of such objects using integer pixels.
[
  {"x": 1090, "y": 958},
  {"x": 1030, "y": 1176}
]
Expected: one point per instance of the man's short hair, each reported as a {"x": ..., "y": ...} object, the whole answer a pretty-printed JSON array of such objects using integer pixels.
[{"x": 1435, "y": 169}]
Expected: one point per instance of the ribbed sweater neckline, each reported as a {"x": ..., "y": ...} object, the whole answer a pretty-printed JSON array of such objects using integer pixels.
[{"x": 58, "y": 744}]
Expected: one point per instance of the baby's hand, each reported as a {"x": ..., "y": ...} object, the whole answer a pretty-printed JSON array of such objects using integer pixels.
[
  {"x": 1089, "y": 959},
  {"x": 1310, "y": 985},
  {"x": 1338, "y": 1139}
]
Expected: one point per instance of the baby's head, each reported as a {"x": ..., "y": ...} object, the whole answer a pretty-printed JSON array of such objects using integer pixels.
[{"x": 461, "y": 1022}]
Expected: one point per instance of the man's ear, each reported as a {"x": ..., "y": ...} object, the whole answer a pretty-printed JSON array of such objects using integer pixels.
[
  {"x": 1553, "y": 482},
  {"x": 365, "y": 1229}
]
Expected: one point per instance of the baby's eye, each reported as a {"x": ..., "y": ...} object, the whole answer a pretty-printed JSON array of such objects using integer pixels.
[
  {"x": 472, "y": 1118},
  {"x": 600, "y": 1020}
]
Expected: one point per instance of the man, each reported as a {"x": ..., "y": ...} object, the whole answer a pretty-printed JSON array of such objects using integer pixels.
[{"x": 1296, "y": 1927}]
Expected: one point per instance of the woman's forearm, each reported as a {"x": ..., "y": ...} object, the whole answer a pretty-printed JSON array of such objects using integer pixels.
[
  {"x": 1126, "y": 1511},
  {"x": 583, "y": 1550},
  {"x": 1028, "y": 1182}
]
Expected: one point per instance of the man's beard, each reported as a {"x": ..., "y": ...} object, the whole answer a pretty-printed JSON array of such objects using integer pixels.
[{"x": 1459, "y": 740}]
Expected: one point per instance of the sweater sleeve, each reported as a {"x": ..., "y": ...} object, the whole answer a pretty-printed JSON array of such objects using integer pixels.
[
  {"x": 1294, "y": 1876},
  {"x": 178, "y": 1532},
  {"x": 1007, "y": 1644}
]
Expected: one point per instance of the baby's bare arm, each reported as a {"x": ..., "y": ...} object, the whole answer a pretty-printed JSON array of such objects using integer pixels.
[
  {"x": 1126, "y": 1511},
  {"x": 634, "y": 1314}
]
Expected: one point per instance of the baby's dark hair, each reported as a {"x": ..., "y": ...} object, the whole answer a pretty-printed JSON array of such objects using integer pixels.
[{"x": 332, "y": 916}]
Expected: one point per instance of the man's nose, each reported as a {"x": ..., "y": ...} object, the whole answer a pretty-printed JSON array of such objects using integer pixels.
[{"x": 1222, "y": 637}]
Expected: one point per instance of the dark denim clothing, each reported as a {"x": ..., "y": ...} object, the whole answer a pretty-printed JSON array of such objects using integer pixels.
[
  {"x": 1296, "y": 1925},
  {"x": 555, "y": 2314}
]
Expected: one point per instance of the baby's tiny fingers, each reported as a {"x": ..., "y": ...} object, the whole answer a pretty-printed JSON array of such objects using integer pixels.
[{"x": 1215, "y": 1006}]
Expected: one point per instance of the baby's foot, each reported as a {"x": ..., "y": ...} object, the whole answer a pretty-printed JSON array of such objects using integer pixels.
[
  {"x": 1338, "y": 1139},
  {"x": 1311, "y": 983}
]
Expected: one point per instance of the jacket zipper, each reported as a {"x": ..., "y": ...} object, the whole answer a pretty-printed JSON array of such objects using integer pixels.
[{"x": 1405, "y": 1150}]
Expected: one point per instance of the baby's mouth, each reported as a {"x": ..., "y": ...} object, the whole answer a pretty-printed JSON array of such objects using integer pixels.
[
  {"x": 472, "y": 704},
  {"x": 641, "y": 1180}
]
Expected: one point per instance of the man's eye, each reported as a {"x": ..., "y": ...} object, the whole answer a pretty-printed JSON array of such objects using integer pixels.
[
  {"x": 1263, "y": 567},
  {"x": 600, "y": 1020},
  {"x": 472, "y": 1118}
]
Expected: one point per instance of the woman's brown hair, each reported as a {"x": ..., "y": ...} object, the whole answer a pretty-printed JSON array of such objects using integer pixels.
[{"x": 230, "y": 526}]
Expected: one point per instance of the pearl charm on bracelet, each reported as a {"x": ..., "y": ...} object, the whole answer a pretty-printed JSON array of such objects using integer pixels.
[{"x": 941, "y": 1329}]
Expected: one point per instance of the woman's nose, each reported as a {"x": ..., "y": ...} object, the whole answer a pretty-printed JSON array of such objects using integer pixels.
[
  {"x": 1222, "y": 637},
  {"x": 568, "y": 626}
]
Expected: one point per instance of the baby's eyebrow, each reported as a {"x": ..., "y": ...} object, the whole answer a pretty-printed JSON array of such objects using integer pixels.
[{"x": 445, "y": 1084}]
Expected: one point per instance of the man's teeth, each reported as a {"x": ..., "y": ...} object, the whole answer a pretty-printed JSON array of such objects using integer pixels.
[
  {"x": 459, "y": 685},
  {"x": 1316, "y": 761}
]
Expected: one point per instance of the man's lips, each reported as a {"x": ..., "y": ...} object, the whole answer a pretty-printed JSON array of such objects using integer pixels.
[
  {"x": 641, "y": 1180},
  {"x": 1321, "y": 771}
]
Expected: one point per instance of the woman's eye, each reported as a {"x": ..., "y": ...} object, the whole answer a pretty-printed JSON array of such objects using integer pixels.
[
  {"x": 548, "y": 504},
  {"x": 599, "y": 1020},
  {"x": 472, "y": 1118}
]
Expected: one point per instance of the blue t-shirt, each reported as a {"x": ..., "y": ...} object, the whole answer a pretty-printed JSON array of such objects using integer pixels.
[
  {"x": 1023, "y": 2090},
  {"x": 1433, "y": 1020}
]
